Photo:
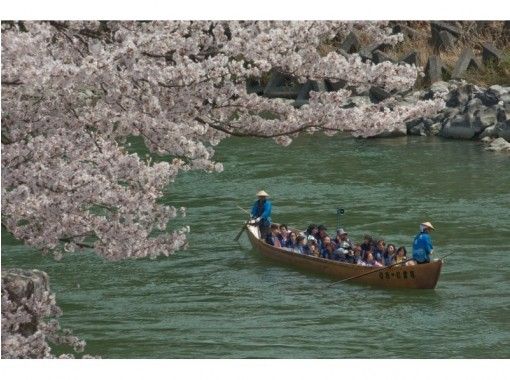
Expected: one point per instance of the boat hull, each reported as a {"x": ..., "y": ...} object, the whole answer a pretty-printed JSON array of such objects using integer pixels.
[{"x": 423, "y": 276}]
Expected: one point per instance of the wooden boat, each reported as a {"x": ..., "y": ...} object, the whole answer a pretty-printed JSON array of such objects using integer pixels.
[{"x": 423, "y": 276}]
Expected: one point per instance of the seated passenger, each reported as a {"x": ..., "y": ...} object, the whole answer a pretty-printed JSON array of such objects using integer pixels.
[
  {"x": 325, "y": 241},
  {"x": 314, "y": 249},
  {"x": 272, "y": 237},
  {"x": 291, "y": 242},
  {"x": 379, "y": 251},
  {"x": 311, "y": 231},
  {"x": 355, "y": 255},
  {"x": 371, "y": 261},
  {"x": 301, "y": 247},
  {"x": 389, "y": 255},
  {"x": 367, "y": 244},
  {"x": 283, "y": 235},
  {"x": 328, "y": 251},
  {"x": 342, "y": 239},
  {"x": 401, "y": 255},
  {"x": 340, "y": 254}
]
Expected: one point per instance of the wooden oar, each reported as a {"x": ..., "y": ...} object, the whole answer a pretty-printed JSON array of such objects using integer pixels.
[
  {"x": 243, "y": 209},
  {"x": 242, "y": 230},
  {"x": 244, "y": 225}
]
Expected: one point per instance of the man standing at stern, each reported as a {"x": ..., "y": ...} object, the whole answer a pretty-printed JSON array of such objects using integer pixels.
[
  {"x": 261, "y": 213},
  {"x": 422, "y": 244}
]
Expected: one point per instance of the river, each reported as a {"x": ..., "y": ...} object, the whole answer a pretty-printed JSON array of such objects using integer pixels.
[{"x": 219, "y": 299}]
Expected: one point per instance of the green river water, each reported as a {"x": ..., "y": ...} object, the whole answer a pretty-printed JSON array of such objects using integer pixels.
[{"x": 219, "y": 299}]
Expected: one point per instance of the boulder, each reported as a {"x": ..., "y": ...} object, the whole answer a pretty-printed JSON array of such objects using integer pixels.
[
  {"x": 503, "y": 130},
  {"x": 501, "y": 114},
  {"x": 488, "y": 98},
  {"x": 378, "y": 94},
  {"x": 440, "y": 87},
  {"x": 499, "y": 145},
  {"x": 254, "y": 86},
  {"x": 446, "y": 40},
  {"x": 487, "y": 117},
  {"x": 366, "y": 55},
  {"x": 413, "y": 58},
  {"x": 281, "y": 86},
  {"x": 466, "y": 60},
  {"x": 351, "y": 43},
  {"x": 21, "y": 283},
  {"x": 459, "y": 127},
  {"x": 379, "y": 57},
  {"x": 491, "y": 54},
  {"x": 334, "y": 86},
  {"x": 433, "y": 71},
  {"x": 440, "y": 26},
  {"x": 499, "y": 90},
  {"x": 489, "y": 132},
  {"x": 457, "y": 98},
  {"x": 304, "y": 92}
]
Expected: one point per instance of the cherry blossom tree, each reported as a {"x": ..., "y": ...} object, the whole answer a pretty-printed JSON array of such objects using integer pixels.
[{"x": 73, "y": 92}]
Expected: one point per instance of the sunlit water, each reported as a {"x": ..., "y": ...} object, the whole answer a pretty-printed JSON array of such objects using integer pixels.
[{"x": 219, "y": 299}]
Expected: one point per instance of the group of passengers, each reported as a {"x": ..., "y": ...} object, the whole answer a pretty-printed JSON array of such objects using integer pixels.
[{"x": 315, "y": 241}]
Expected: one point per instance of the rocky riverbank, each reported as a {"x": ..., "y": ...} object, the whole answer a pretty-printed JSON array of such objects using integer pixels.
[
  {"x": 450, "y": 53},
  {"x": 471, "y": 113}
]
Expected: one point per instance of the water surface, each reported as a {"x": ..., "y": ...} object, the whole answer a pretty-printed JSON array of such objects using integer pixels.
[{"x": 219, "y": 299}]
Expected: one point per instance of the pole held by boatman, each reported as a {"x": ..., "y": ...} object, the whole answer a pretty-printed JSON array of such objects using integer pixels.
[
  {"x": 422, "y": 244},
  {"x": 261, "y": 213}
]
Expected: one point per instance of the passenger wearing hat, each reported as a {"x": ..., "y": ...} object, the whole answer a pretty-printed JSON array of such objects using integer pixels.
[
  {"x": 261, "y": 213},
  {"x": 422, "y": 245},
  {"x": 342, "y": 240}
]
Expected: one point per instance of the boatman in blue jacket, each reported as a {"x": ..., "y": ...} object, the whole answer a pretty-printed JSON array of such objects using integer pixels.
[
  {"x": 422, "y": 244},
  {"x": 261, "y": 213}
]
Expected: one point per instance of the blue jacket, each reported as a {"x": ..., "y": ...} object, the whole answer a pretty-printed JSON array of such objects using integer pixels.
[
  {"x": 263, "y": 212},
  {"x": 422, "y": 247}
]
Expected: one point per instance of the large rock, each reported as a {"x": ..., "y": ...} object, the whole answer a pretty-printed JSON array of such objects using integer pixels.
[
  {"x": 379, "y": 57},
  {"x": 433, "y": 72},
  {"x": 351, "y": 43},
  {"x": 500, "y": 90},
  {"x": 459, "y": 127},
  {"x": 304, "y": 92},
  {"x": 446, "y": 40},
  {"x": 491, "y": 54},
  {"x": 457, "y": 97},
  {"x": 413, "y": 58},
  {"x": 334, "y": 86},
  {"x": 503, "y": 129},
  {"x": 466, "y": 61},
  {"x": 281, "y": 86},
  {"x": 487, "y": 117},
  {"x": 378, "y": 94},
  {"x": 489, "y": 132},
  {"x": 488, "y": 98},
  {"x": 21, "y": 283},
  {"x": 498, "y": 145},
  {"x": 254, "y": 86},
  {"x": 438, "y": 26}
]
